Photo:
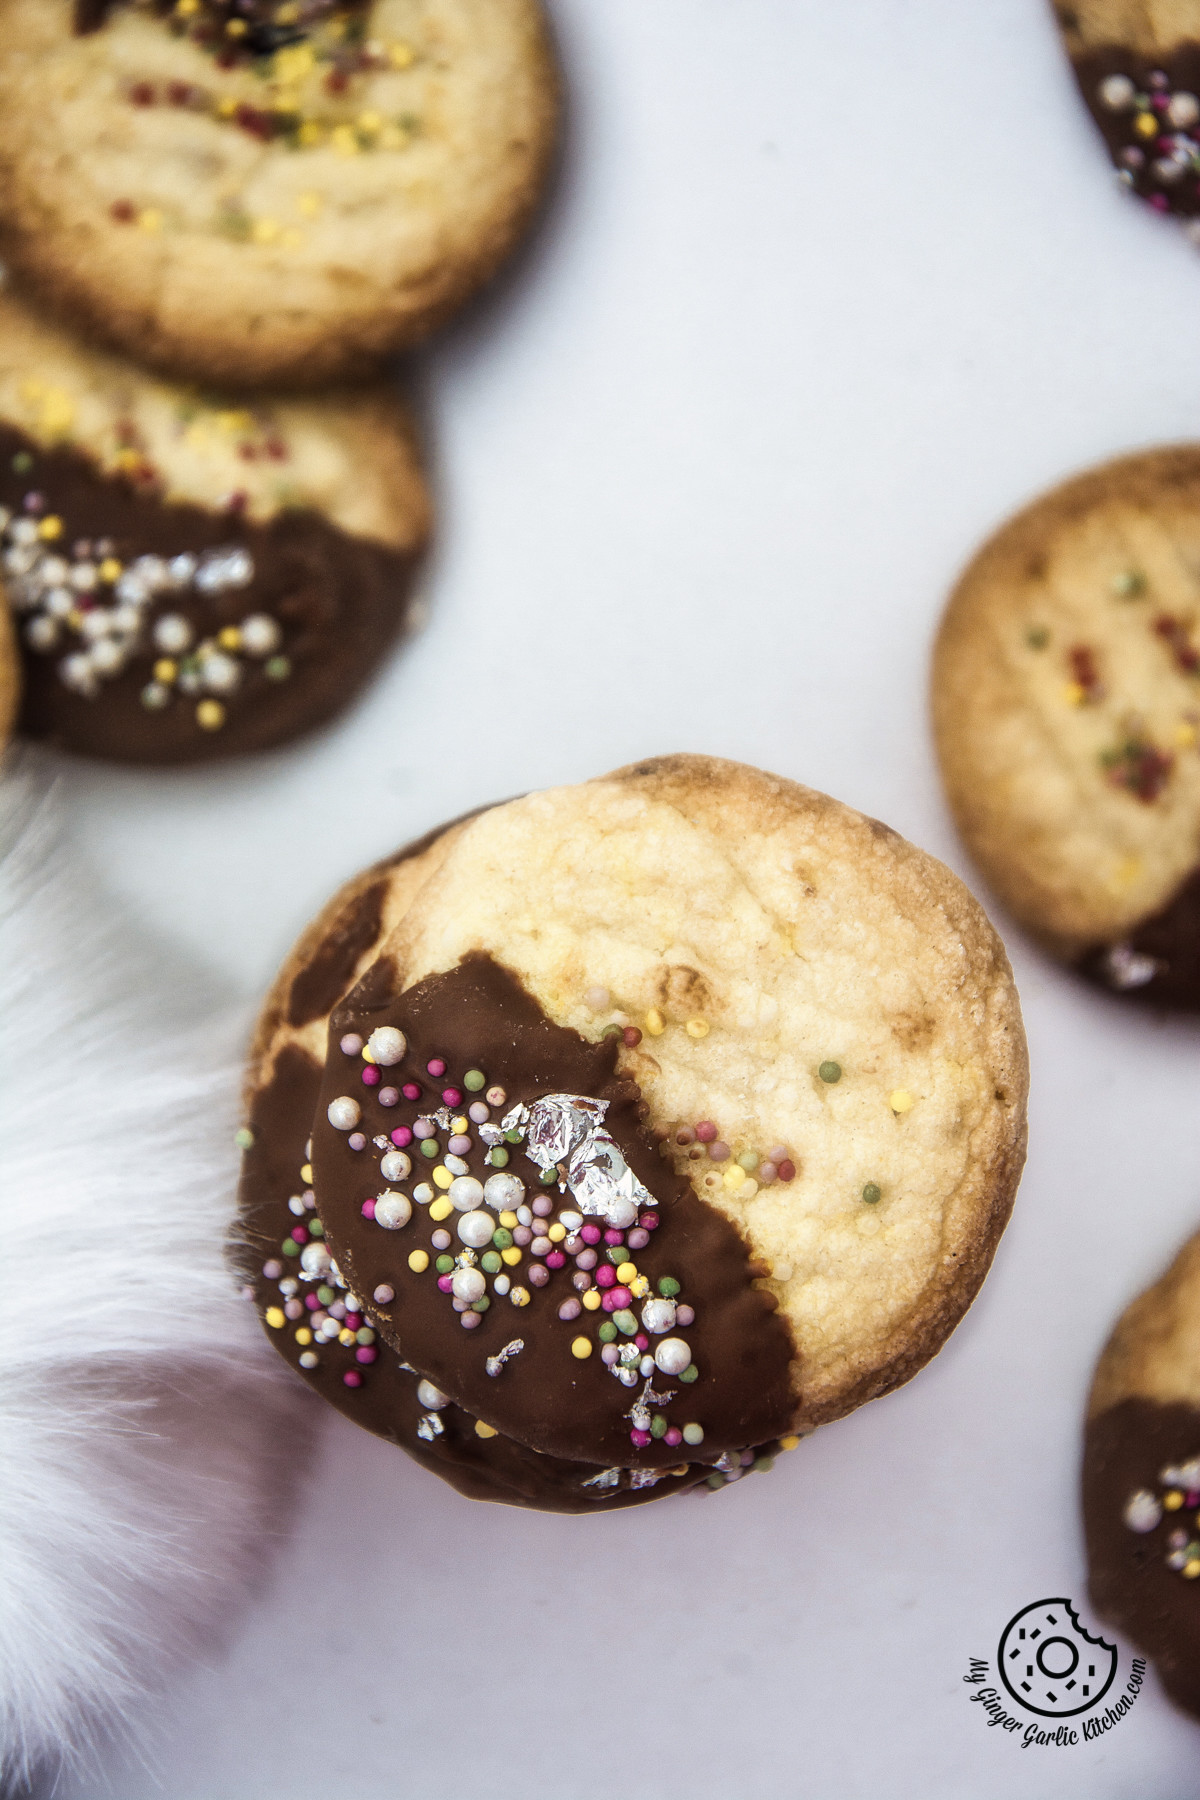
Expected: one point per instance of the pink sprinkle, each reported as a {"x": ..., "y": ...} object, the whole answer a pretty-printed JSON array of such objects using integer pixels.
[
  {"x": 452, "y": 1096},
  {"x": 445, "y": 1282},
  {"x": 436, "y": 1067},
  {"x": 614, "y": 1237},
  {"x": 556, "y": 1260},
  {"x": 787, "y": 1170},
  {"x": 366, "y": 1354},
  {"x": 637, "y": 1240},
  {"x": 469, "y": 1321},
  {"x": 685, "y": 1315},
  {"x": 767, "y": 1173},
  {"x": 352, "y": 1378},
  {"x": 606, "y": 1276},
  {"x": 371, "y": 1076},
  {"x": 706, "y": 1131},
  {"x": 368, "y": 1209},
  {"x": 649, "y": 1221},
  {"x": 312, "y": 1303},
  {"x": 639, "y": 1438},
  {"x": 642, "y": 1341},
  {"x": 776, "y": 1153},
  {"x": 388, "y": 1096},
  {"x": 299, "y": 1235},
  {"x": 401, "y": 1136},
  {"x": 621, "y": 1297},
  {"x": 610, "y": 1355},
  {"x": 353, "y": 1321},
  {"x": 591, "y": 1234},
  {"x": 273, "y": 1269},
  {"x": 672, "y": 1435},
  {"x": 294, "y": 1309},
  {"x": 1160, "y": 203},
  {"x": 719, "y": 1151},
  {"x": 609, "y": 1303},
  {"x": 411, "y": 1091}
]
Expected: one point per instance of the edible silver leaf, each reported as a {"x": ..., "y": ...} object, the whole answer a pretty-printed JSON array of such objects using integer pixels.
[
  {"x": 569, "y": 1128},
  {"x": 1124, "y": 967},
  {"x": 607, "y": 1478},
  {"x": 430, "y": 1427},
  {"x": 729, "y": 1462},
  {"x": 495, "y": 1363},
  {"x": 644, "y": 1478}
]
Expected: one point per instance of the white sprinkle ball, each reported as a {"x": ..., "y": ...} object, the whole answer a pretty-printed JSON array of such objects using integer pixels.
[
  {"x": 172, "y": 634},
  {"x": 343, "y": 1113},
  {"x": 646, "y": 1366},
  {"x": 1183, "y": 109},
  {"x": 315, "y": 1259},
  {"x": 478, "y": 1113},
  {"x": 504, "y": 1192},
  {"x": 465, "y": 1193},
  {"x": 1117, "y": 92},
  {"x": 1142, "y": 1511},
  {"x": 673, "y": 1356},
  {"x": 309, "y": 1359},
  {"x": 468, "y": 1285},
  {"x": 659, "y": 1316},
  {"x": 502, "y": 1284},
  {"x": 351, "y": 1044},
  {"x": 423, "y": 1193},
  {"x": 441, "y": 1240},
  {"x": 220, "y": 673},
  {"x": 621, "y": 1213},
  {"x": 430, "y": 1397},
  {"x": 395, "y": 1166},
  {"x": 476, "y": 1228},
  {"x": 260, "y": 634},
  {"x": 495, "y": 1096},
  {"x": 296, "y": 1205},
  {"x": 387, "y": 1045},
  {"x": 693, "y": 1434},
  {"x": 392, "y": 1210},
  {"x": 570, "y": 1221},
  {"x": 383, "y": 1295}
]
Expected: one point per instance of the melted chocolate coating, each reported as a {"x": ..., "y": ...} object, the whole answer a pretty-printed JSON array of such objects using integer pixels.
[
  {"x": 1128, "y": 1578},
  {"x": 479, "y": 1016},
  {"x": 1172, "y": 938},
  {"x": 319, "y": 986},
  {"x": 263, "y": 35},
  {"x": 1182, "y": 68},
  {"x": 339, "y": 601},
  {"x": 481, "y": 1468}
]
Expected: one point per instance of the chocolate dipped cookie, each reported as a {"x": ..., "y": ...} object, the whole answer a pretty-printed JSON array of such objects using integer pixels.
[
  {"x": 191, "y": 578},
  {"x": 1141, "y": 1477},
  {"x": 269, "y": 191},
  {"x": 1066, "y": 705},
  {"x": 644, "y": 1125},
  {"x": 10, "y": 675},
  {"x": 1137, "y": 63}
]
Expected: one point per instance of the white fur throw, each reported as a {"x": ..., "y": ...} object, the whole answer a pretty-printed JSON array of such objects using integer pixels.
[{"x": 145, "y": 1433}]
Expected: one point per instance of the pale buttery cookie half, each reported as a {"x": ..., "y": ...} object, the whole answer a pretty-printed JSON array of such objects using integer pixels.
[
  {"x": 192, "y": 577},
  {"x": 1066, "y": 702},
  {"x": 269, "y": 191},
  {"x": 639, "y": 1127},
  {"x": 1141, "y": 1477},
  {"x": 1138, "y": 67}
]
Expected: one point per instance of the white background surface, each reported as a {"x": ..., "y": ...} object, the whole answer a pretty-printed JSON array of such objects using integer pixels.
[{"x": 826, "y": 290}]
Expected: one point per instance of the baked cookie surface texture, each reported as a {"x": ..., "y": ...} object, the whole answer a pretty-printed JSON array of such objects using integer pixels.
[
  {"x": 1137, "y": 63},
  {"x": 191, "y": 578},
  {"x": 646, "y": 1125},
  {"x": 1066, "y": 702},
  {"x": 278, "y": 192},
  {"x": 1141, "y": 1477}
]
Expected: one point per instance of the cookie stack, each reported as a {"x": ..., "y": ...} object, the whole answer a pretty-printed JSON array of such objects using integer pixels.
[{"x": 212, "y": 208}]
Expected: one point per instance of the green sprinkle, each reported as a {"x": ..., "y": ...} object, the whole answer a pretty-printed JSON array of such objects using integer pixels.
[
  {"x": 668, "y": 1287},
  {"x": 430, "y": 1148},
  {"x": 617, "y": 1253},
  {"x": 761, "y": 1464},
  {"x": 315, "y": 1228},
  {"x": 490, "y": 1263},
  {"x": 690, "y": 1374},
  {"x": 546, "y": 1176},
  {"x": 481, "y": 1306},
  {"x": 290, "y": 1249},
  {"x": 1129, "y": 584},
  {"x": 693, "y": 1434},
  {"x": 658, "y": 1426},
  {"x": 326, "y": 1295},
  {"x": 607, "y": 1332},
  {"x": 871, "y": 1193},
  {"x": 473, "y": 1080},
  {"x": 502, "y": 1237},
  {"x": 625, "y": 1321},
  {"x": 244, "y": 1138},
  {"x": 1037, "y": 637},
  {"x": 364, "y": 1335},
  {"x": 830, "y": 1072},
  {"x": 22, "y": 462},
  {"x": 610, "y": 1031},
  {"x": 512, "y": 1137},
  {"x": 444, "y": 1265},
  {"x": 277, "y": 668},
  {"x": 498, "y": 1156},
  {"x": 715, "y": 1480},
  {"x": 748, "y": 1160}
]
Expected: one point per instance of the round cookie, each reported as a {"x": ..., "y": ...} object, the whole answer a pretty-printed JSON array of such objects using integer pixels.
[
  {"x": 269, "y": 191},
  {"x": 190, "y": 578},
  {"x": 775, "y": 1057},
  {"x": 1066, "y": 705},
  {"x": 1141, "y": 1477},
  {"x": 10, "y": 675},
  {"x": 1137, "y": 63}
]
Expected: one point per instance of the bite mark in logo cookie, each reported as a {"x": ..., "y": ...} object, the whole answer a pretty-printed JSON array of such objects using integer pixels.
[{"x": 1050, "y": 1665}]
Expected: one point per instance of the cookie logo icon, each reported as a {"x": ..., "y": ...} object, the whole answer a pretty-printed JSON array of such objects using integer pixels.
[{"x": 1050, "y": 1664}]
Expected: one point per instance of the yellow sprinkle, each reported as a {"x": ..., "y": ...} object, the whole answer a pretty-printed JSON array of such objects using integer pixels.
[
  {"x": 734, "y": 1177},
  {"x": 697, "y": 1028},
  {"x": 484, "y": 1431},
  {"x": 400, "y": 56},
  {"x": 344, "y": 141},
  {"x": 1185, "y": 736},
  {"x": 655, "y": 1023},
  {"x": 458, "y": 1126},
  {"x": 50, "y": 527},
  {"x": 440, "y": 1209},
  {"x": 294, "y": 61},
  {"x": 110, "y": 568},
  {"x": 591, "y": 1300},
  {"x": 789, "y": 1443},
  {"x": 210, "y": 715},
  {"x": 1146, "y": 125},
  {"x": 1173, "y": 1501},
  {"x": 151, "y": 219},
  {"x": 1074, "y": 694},
  {"x": 368, "y": 1055},
  {"x": 581, "y": 1347},
  {"x": 346, "y": 1337},
  {"x": 511, "y": 1256},
  {"x": 369, "y": 121},
  {"x": 520, "y": 1296},
  {"x": 442, "y": 1176},
  {"x": 57, "y": 413},
  {"x": 304, "y": 1335},
  {"x": 186, "y": 8},
  {"x": 165, "y": 669},
  {"x": 310, "y": 132},
  {"x": 74, "y": 618},
  {"x": 900, "y": 1100},
  {"x": 626, "y": 1272},
  {"x": 508, "y": 1220},
  {"x": 226, "y": 108},
  {"x": 310, "y": 205},
  {"x": 306, "y": 1174},
  {"x": 418, "y": 1261},
  {"x": 236, "y": 28},
  {"x": 127, "y": 459},
  {"x": 556, "y": 1233},
  {"x": 1191, "y": 1569},
  {"x": 639, "y": 1287},
  {"x": 274, "y": 1317},
  {"x": 265, "y": 231}
]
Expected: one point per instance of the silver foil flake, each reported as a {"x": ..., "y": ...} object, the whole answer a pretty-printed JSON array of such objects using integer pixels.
[
  {"x": 430, "y": 1427},
  {"x": 729, "y": 1462},
  {"x": 607, "y": 1481},
  {"x": 491, "y": 1135},
  {"x": 1123, "y": 967},
  {"x": 569, "y": 1129},
  {"x": 639, "y": 1413},
  {"x": 495, "y": 1363},
  {"x": 644, "y": 1478}
]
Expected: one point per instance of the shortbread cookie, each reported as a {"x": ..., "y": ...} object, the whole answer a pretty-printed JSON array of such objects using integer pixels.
[
  {"x": 192, "y": 578},
  {"x": 1066, "y": 701},
  {"x": 1138, "y": 66},
  {"x": 733, "y": 1077},
  {"x": 1141, "y": 1477},
  {"x": 10, "y": 675},
  {"x": 254, "y": 191}
]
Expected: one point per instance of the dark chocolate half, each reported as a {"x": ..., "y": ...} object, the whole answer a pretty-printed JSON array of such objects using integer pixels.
[
  {"x": 478, "y": 1018},
  {"x": 1126, "y": 1450},
  {"x": 1159, "y": 962},
  {"x": 1150, "y": 127},
  {"x": 96, "y": 565}
]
